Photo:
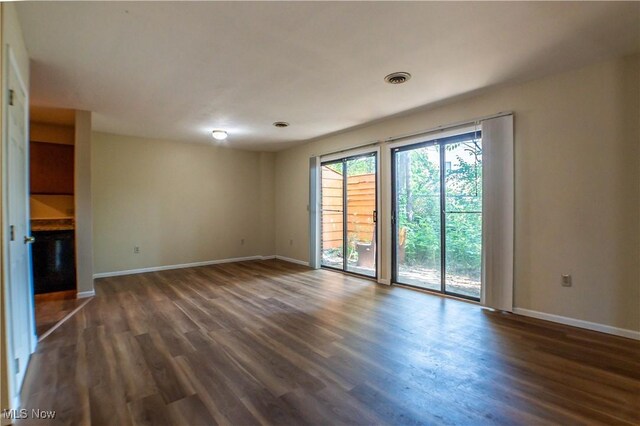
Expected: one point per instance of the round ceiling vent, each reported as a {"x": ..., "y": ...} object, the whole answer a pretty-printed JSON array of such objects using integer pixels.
[
  {"x": 281, "y": 124},
  {"x": 397, "y": 78}
]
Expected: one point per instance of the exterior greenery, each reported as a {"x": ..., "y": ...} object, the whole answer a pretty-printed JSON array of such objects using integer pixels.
[{"x": 419, "y": 206}]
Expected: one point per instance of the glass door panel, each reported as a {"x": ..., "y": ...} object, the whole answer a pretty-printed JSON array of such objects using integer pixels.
[
  {"x": 417, "y": 217},
  {"x": 361, "y": 215},
  {"x": 438, "y": 215},
  {"x": 463, "y": 217},
  {"x": 348, "y": 214},
  {"x": 332, "y": 215}
]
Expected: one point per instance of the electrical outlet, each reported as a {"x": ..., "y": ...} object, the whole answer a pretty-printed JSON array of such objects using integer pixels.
[
  {"x": 566, "y": 280},
  {"x": 136, "y": 250},
  {"x": 290, "y": 242},
  {"x": 242, "y": 241}
]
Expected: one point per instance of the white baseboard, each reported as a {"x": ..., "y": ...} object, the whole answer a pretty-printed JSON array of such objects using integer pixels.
[
  {"x": 290, "y": 260},
  {"x": 179, "y": 266},
  {"x": 384, "y": 281},
  {"x": 83, "y": 294},
  {"x": 623, "y": 332}
]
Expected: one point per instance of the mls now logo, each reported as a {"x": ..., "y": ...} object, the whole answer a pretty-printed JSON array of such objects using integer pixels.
[
  {"x": 15, "y": 414},
  {"x": 23, "y": 413}
]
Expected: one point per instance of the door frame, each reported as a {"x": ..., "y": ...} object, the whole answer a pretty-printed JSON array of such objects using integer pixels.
[
  {"x": 10, "y": 63},
  {"x": 337, "y": 157},
  {"x": 416, "y": 144}
]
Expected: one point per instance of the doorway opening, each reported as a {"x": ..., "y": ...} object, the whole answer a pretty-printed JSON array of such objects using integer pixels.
[
  {"x": 349, "y": 214},
  {"x": 437, "y": 215},
  {"x": 52, "y": 214}
]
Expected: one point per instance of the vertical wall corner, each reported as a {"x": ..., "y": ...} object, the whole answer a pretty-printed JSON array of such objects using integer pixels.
[{"x": 83, "y": 207}]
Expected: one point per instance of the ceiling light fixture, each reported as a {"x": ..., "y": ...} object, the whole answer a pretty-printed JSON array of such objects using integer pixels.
[
  {"x": 219, "y": 135},
  {"x": 281, "y": 124},
  {"x": 398, "y": 77}
]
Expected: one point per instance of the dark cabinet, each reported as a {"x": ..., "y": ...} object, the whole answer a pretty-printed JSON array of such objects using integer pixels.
[
  {"x": 51, "y": 168},
  {"x": 54, "y": 266}
]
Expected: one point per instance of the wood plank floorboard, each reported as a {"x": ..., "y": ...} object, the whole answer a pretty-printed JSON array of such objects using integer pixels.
[
  {"x": 51, "y": 308},
  {"x": 269, "y": 342}
]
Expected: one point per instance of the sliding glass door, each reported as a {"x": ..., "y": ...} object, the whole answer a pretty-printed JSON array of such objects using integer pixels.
[
  {"x": 418, "y": 228},
  {"x": 463, "y": 217},
  {"x": 332, "y": 212},
  {"x": 437, "y": 215},
  {"x": 348, "y": 210}
]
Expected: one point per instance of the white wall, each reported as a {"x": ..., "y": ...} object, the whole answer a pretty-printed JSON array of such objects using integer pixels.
[
  {"x": 577, "y": 187},
  {"x": 179, "y": 202},
  {"x": 83, "y": 203}
]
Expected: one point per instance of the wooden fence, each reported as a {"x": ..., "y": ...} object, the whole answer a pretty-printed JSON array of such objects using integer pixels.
[{"x": 361, "y": 202}]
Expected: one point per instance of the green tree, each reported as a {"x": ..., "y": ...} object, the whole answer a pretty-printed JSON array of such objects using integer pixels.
[{"x": 418, "y": 185}]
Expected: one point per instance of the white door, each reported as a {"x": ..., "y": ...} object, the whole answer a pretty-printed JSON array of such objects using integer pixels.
[{"x": 20, "y": 291}]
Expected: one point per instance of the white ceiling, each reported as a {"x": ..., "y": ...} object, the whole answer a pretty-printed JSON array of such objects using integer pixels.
[{"x": 177, "y": 70}]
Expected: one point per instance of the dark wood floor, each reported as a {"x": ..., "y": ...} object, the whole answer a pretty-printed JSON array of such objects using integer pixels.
[
  {"x": 274, "y": 343},
  {"x": 51, "y": 308}
]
